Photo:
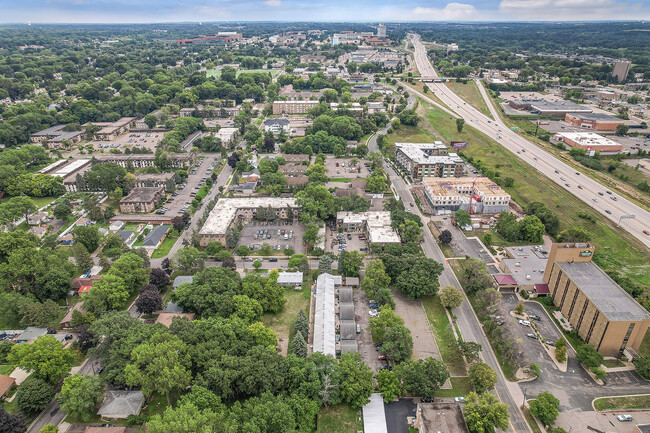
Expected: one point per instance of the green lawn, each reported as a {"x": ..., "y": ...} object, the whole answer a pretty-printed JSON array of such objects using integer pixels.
[
  {"x": 40, "y": 201},
  {"x": 644, "y": 349},
  {"x": 282, "y": 322},
  {"x": 617, "y": 250},
  {"x": 164, "y": 248},
  {"x": 530, "y": 420},
  {"x": 6, "y": 369},
  {"x": 635, "y": 402},
  {"x": 339, "y": 419},
  {"x": 443, "y": 333},
  {"x": 410, "y": 134},
  {"x": 461, "y": 387},
  {"x": 470, "y": 93}
]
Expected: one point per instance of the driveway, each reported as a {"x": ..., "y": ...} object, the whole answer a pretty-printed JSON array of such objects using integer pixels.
[
  {"x": 364, "y": 340},
  {"x": 415, "y": 319},
  {"x": 396, "y": 414}
]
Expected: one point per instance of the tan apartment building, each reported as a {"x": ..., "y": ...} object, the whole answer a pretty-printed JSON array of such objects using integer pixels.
[
  {"x": 142, "y": 199},
  {"x": 111, "y": 130},
  {"x": 428, "y": 159},
  {"x": 293, "y": 107},
  {"x": 141, "y": 160},
  {"x": 600, "y": 310}
]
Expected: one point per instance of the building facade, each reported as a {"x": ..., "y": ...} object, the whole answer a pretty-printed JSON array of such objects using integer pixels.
[
  {"x": 472, "y": 194},
  {"x": 595, "y": 121},
  {"x": 601, "y": 311},
  {"x": 142, "y": 199},
  {"x": 428, "y": 160},
  {"x": 293, "y": 107}
]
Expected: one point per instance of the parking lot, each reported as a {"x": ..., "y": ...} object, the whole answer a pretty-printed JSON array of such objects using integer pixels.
[
  {"x": 182, "y": 198},
  {"x": 257, "y": 233},
  {"x": 335, "y": 242},
  {"x": 364, "y": 339},
  {"x": 138, "y": 140},
  {"x": 343, "y": 169}
]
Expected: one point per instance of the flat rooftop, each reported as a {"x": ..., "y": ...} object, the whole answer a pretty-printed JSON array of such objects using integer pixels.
[
  {"x": 378, "y": 222},
  {"x": 558, "y": 106},
  {"x": 610, "y": 298},
  {"x": 417, "y": 152},
  {"x": 526, "y": 262},
  {"x": 452, "y": 186},
  {"x": 226, "y": 208},
  {"x": 73, "y": 166},
  {"x": 588, "y": 139},
  {"x": 597, "y": 116}
]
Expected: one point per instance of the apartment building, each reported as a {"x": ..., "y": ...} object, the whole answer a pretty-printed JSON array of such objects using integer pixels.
[
  {"x": 140, "y": 160},
  {"x": 142, "y": 199},
  {"x": 293, "y": 107},
  {"x": 472, "y": 194},
  {"x": 428, "y": 159}
]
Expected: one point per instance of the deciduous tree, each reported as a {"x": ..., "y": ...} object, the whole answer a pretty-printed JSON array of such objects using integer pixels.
[
  {"x": 451, "y": 297},
  {"x": 46, "y": 356},
  {"x": 482, "y": 377},
  {"x": 545, "y": 408},
  {"x": 484, "y": 413},
  {"x": 80, "y": 394}
]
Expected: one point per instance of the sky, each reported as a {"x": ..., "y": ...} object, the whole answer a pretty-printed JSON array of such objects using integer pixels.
[{"x": 148, "y": 11}]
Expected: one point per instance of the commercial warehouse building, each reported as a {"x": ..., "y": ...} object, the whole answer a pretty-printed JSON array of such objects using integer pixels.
[
  {"x": 600, "y": 310},
  {"x": 595, "y": 121},
  {"x": 376, "y": 225},
  {"x": 548, "y": 108},
  {"x": 228, "y": 211},
  {"x": 472, "y": 194},
  {"x": 589, "y": 141},
  {"x": 428, "y": 159}
]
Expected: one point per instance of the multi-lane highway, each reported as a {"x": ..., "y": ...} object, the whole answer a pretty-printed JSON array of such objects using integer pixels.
[{"x": 616, "y": 208}]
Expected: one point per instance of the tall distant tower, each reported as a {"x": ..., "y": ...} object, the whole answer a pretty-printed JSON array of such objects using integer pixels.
[{"x": 381, "y": 31}]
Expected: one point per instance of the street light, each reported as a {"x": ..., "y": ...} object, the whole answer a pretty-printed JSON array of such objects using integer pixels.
[{"x": 625, "y": 217}]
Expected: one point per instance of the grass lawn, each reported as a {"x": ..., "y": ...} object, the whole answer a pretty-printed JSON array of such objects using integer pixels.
[
  {"x": 40, "y": 201},
  {"x": 420, "y": 86},
  {"x": 635, "y": 402},
  {"x": 617, "y": 250},
  {"x": 410, "y": 134},
  {"x": 339, "y": 419},
  {"x": 470, "y": 93},
  {"x": 530, "y": 420},
  {"x": 442, "y": 330},
  {"x": 164, "y": 248},
  {"x": 461, "y": 388},
  {"x": 613, "y": 363},
  {"x": 644, "y": 349},
  {"x": 282, "y": 322},
  {"x": 6, "y": 369}
]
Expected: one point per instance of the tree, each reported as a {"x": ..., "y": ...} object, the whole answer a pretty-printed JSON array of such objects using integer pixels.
[
  {"x": 80, "y": 394},
  {"x": 482, "y": 377},
  {"x": 574, "y": 234},
  {"x": 82, "y": 257},
  {"x": 398, "y": 343},
  {"x": 519, "y": 309},
  {"x": 257, "y": 264},
  {"x": 11, "y": 423},
  {"x": 451, "y": 297},
  {"x": 354, "y": 379},
  {"x": 33, "y": 395},
  {"x": 445, "y": 237},
  {"x": 622, "y": 129},
  {"x": 462, "y": 218},
  {"x": 484, "y": 413},
  {"x": 298, "y": 345},
  {"x": 109, "y": 293},
  {"x": 62, "y": 211},
  {"x": 16, "y": 208},
  {"x": 389, "y": 385},
  {"x": 421, "y": 280},
  {"x": 149, "y": 301},
  {"x": 643, "y": 367},
  {"x": 352, "y": 261},
  {"x": 88, "y": 236},
  {"x": 422, "y": 377},
  {"x": 379, "y": 325},
  {"x": 189, "y": 258},
  {"x": 151, "y": 120},
  {"x": 131, "y": 268},
  {"x": 531, "y": 229},
  {"x": 161, "y": 364},
  {"x": 560, "y": 349},
  {"x": 46, "y": 356},
  {"x": 301, "y": 324},
  {"x": 186, "y": 418},
  {"x": 589, "y": 356},
  {"x": 460, "y": 122},
  {"x": 325, "y": 263},
  {"x": 159, "y": 279},
  {"x": 545, "y": 408},
  {"x": 49, "y": 428}
]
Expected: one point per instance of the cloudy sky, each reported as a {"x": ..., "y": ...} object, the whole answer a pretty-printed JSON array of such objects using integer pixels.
[{"x": 137, "y": 11}]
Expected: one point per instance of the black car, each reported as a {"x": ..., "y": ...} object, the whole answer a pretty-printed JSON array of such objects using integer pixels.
[
  {"x": 426, "y": 400},
  {"x": 386, "y": 367},
  {"x": 378, "y": 345}
]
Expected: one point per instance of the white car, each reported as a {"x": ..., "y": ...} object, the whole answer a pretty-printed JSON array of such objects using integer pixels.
[
  {"x": 624, "y": 418},
  {"x": 373, "y": 313},
  {"x": 459, "y": 399},
  {"x": 524, "y": 322}
]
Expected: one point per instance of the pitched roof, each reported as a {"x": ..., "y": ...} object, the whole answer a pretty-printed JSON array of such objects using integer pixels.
[
  {"x": 6, "y": 382},
  {"x": 166, "y": 318},
  {"x": 121, "y": 404},
  {"x": 155, "y": 236},
  {"x": 93, "y": 429},
  {"x": 505, "y": 280}
]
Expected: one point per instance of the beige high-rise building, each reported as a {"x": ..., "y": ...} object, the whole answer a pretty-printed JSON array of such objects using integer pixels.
[{"x": 600, "y": 310}]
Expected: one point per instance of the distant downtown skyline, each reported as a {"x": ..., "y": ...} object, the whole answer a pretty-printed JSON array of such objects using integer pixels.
[{"x": 151, "y": 11}]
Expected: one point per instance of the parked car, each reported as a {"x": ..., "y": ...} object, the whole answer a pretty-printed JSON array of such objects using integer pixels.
[
  {"x": 386, "y": 367},
  {"x": 273, "y": 259},
  {"x": 524, "y": 322},
  {"x": 373, "y": 313},
  {"x": 534, "y": 317},
  {"x": 358, "y": 329},
  {"x": 531, "y": 335},
  {"x": 624, "y": 418},
  {"x": 426, "y": 400},
  {"x": 383, "y": 357},
  {"x": 459, "y": 399}
]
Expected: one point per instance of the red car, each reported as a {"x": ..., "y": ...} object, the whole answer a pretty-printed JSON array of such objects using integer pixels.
[
  {"x": 383, "y": 357},
  {"x": 646, "y": 232}
]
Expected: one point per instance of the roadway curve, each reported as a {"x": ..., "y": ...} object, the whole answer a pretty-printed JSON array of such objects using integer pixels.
[{"x": 543, "y": 161}]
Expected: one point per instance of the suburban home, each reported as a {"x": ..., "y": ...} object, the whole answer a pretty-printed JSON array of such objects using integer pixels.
[
  {"x": 155, "y": 237},
  {"x": 6, "y": 383},
  {"x": 30, "y": 334},
  {"x": 166, "y": 318},
  {"x": 121, "y": 404},
  {"x": 36, "y": 218}
]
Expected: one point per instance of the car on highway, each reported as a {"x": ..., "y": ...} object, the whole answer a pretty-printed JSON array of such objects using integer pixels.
[
  {"x": 608, "y": 192},
  {"x": 568, "y": 186},
  {"x": 578, "y": 173},
  {"x": 608, "y": 211},
  {"x": 523, "y": 322},
  {"x": 595, "y": 200},
  {"x": 563, "y": 179},
  {"x": 580, "y": 186},
  {"x": 613, "y": 198},
  {"x": 557, "y": 171},
  {"x": 600, "y": 193}
]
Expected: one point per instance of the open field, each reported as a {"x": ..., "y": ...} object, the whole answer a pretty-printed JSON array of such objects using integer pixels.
[
  {"x": 635, "y": 402},
  {"x": 411, "y": 134},
  {"x": 339, "y": 419},
  {"x": 617, "y": 251},
  {"x": 443, "y": 333},
  {"x": 282, "y": 322},
  {"x": 469, "y": 93},
  {"x": 460, "y": 388}
]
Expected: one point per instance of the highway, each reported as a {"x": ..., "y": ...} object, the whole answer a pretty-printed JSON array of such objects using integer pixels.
[
  {"x": 470, "y": 327},
  {"x": 612, "y": 206}
]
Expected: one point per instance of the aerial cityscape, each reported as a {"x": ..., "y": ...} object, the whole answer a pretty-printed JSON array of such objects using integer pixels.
[{"x": 265, "y": 217}]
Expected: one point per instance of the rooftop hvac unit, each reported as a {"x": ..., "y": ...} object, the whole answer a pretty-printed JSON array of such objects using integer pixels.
[
  {"x": 517, "y": 264},
  {"x": 528, "y": 277}
]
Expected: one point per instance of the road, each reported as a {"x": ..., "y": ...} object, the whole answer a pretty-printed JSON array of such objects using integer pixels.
[
  {"x": 541, "y": 160},
  {"x": 53, "y": 414},
  {"x": 469, "y": 325}
]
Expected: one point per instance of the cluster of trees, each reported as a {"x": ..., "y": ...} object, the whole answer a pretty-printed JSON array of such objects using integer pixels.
[
  {"x": 17, "y": 172},
  {"x": 389, "y": 331},
  {"x": 422, "y": 378},
  {"x": 529, "y": 229},
  {"x": 408, "y": 224},
  {"x": 376, "y": 284},
  {"x": 411, "y": 272}
]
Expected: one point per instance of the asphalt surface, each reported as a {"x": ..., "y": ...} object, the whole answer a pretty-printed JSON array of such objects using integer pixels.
[
  {"x": 470, "y": 327},
  {"x": 541, "y": 160},
  {"x": 396, "y": 414}
]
